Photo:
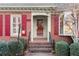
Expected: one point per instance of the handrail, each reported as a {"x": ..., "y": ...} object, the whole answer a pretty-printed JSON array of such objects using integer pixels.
[
  {"x": 28, "y": 40},
  {"x": 51, "y": 40}
]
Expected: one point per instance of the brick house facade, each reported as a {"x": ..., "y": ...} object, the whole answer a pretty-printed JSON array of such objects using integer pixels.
[{"x": 39, "y": 19}]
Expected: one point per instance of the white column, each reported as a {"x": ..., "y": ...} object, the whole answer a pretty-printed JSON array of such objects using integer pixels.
[
  {"x": 49, "y": 25},
  {"x": 31, "y": 27}
]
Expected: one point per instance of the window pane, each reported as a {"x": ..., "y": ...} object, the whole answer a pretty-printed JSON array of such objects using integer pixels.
[
  {"x": 14, "y": 25},
  {"x": 14, "y": 30},
  {"x": 19, "y": 20},
  {"x": 14, "y": 19},
  {"x": 68, "y": 23}
]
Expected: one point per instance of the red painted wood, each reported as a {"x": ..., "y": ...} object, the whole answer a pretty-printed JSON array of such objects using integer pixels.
[
  {"x": 1, "y": 25},
  {"x": 24, "y": 18},
  {"x": 7, "y": 25},
  {"x": 56, "y": 24}
]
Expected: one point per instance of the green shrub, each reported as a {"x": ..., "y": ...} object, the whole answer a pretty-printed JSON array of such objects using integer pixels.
[
  {"x": 15, "y": 47},
  {"x": 24, "y": 42},
  {"x": 20, "y": 48},
  {"x": 62, "y": 48},
  {"x": 12, "y": 47},
  {"x": 4, "y": 50},
  {"x": 74, "y": 49}
]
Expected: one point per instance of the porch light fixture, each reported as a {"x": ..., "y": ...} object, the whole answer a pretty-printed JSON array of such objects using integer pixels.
[{"x": 23, "y": 31}]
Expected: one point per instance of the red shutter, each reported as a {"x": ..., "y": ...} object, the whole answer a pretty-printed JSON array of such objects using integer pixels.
[
  {"x": 56, "y": 24},
  {"x": 7, "y": 25},
  {"x": 24, "y": 17},
  {"x": 1, "y": 25}
]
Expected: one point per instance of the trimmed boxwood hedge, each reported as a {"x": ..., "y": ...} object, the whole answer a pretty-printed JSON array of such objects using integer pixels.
[
  {"x": 15, "y": 47},
  {"x": 4, "y": 50},
  {"x": 24, "y": 42},
  {"x": 62, "y": 48},
  {"x": 20, "y": 48},
  {"x": 74, "y": 49},
  {"x": 12, "y": 47}
]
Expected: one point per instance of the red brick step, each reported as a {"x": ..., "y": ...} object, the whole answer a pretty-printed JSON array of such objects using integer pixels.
[{"x": 40, "y": 45}]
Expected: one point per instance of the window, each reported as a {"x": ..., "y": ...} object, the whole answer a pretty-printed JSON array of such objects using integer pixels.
[
  {"x": 15, "y": 21},
  {"x": 66, "y": 23}
]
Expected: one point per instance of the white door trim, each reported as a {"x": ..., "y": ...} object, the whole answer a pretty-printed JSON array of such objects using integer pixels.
[{"x": 48, "y": 24}]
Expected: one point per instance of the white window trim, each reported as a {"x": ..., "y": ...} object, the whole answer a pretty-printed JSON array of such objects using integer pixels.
[
  {"x": 11, "y": 27},
  {"x": 63, "y": 34}
]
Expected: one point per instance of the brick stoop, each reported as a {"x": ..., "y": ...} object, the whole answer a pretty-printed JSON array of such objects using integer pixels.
[{"x": 40, "y": 48}]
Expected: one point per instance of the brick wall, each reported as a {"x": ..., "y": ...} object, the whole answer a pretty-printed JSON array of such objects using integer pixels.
[{"x": 55, "y": 29}]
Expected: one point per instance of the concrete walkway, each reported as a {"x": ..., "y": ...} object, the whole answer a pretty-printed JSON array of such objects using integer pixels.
[{"x": 39, "y": 54}]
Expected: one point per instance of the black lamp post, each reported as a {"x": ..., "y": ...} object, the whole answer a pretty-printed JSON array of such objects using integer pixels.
[{"x": 19, "y": 32}]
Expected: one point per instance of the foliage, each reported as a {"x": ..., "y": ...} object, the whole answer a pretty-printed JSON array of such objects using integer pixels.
[
  {"x": 4, "y": 50},
  {"x": 62, "y": 48},
  {"x": 74, "y": 49},
  {"x": 15, "y": 47},
  {"x": 24, "y": 42}
]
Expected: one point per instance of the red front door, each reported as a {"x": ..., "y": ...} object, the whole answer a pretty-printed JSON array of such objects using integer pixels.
[{"x": 40, "y": 27}]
